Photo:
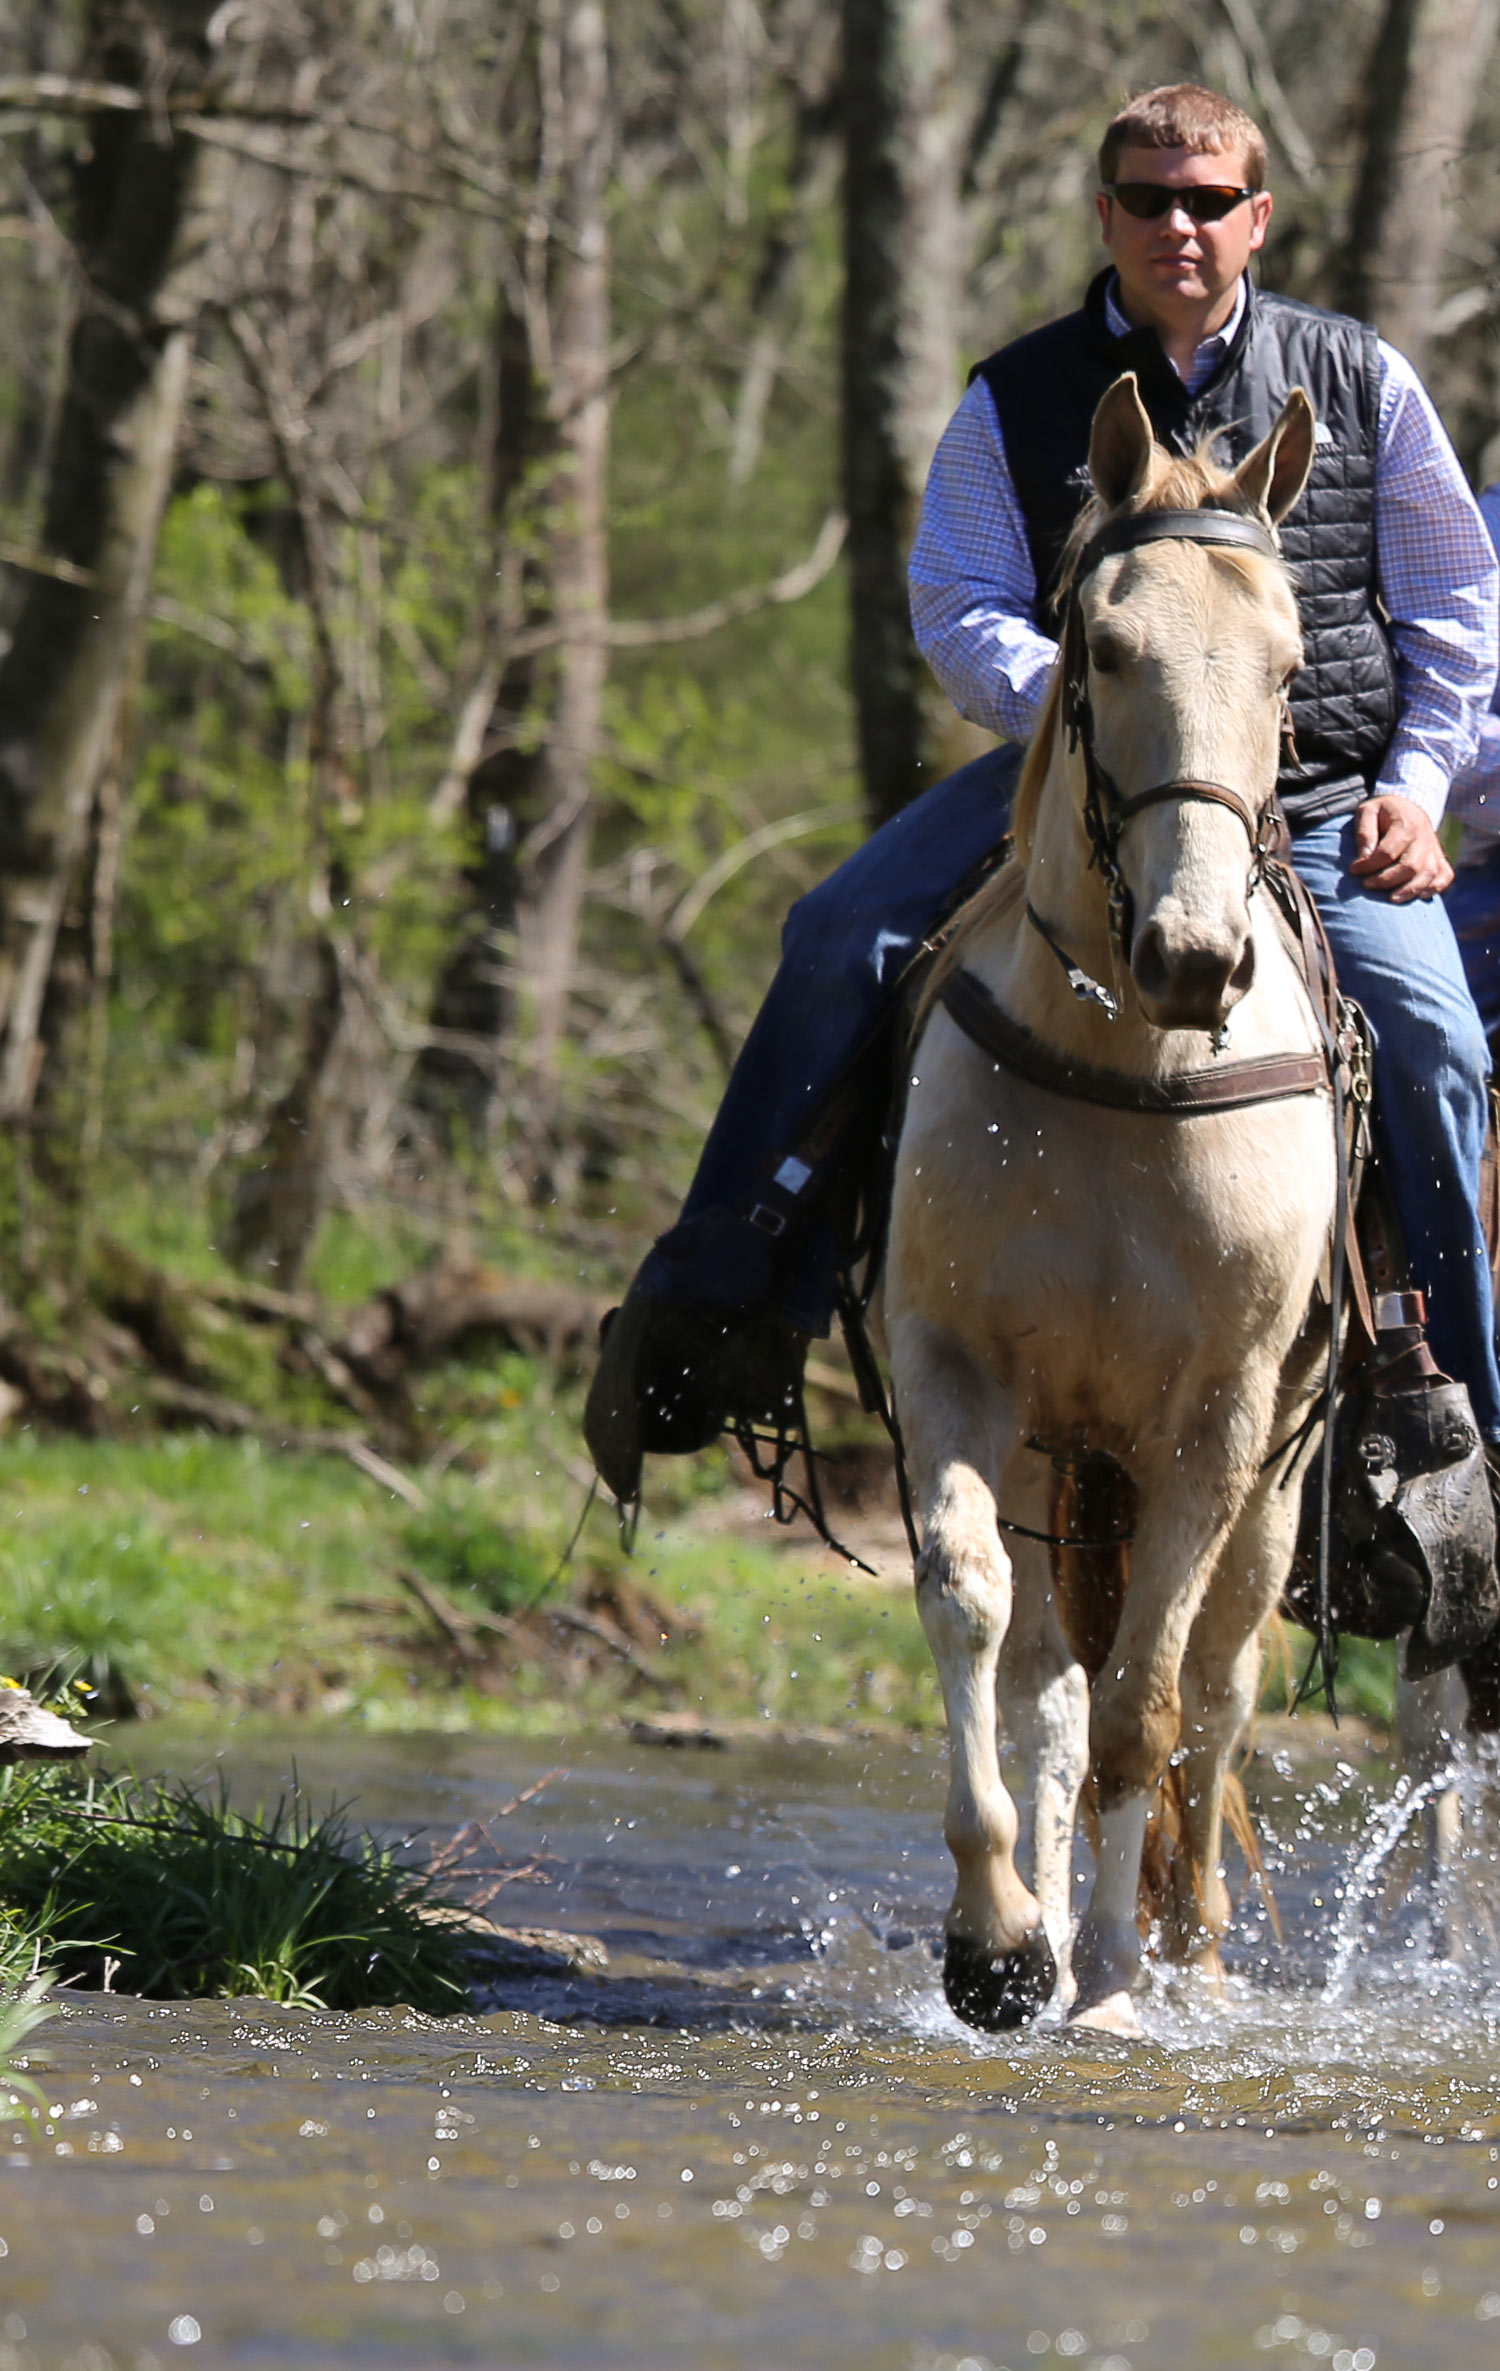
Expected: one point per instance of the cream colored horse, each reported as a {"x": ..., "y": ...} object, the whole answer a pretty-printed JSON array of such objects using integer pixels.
[{"x": 1070, "y": 1287}]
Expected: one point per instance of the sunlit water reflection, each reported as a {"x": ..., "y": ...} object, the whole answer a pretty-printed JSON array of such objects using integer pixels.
[{"x": 759, "y": 2138}]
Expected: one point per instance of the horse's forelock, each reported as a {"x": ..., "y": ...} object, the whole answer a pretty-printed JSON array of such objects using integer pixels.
[{"x": 1176, "y": 481}]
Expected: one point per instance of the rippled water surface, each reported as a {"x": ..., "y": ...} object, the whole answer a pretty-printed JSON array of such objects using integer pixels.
[{"x": 757, "y": 2138}]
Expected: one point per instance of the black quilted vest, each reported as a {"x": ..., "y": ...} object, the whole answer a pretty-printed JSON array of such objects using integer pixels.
[{"x": 1046, "y": 386}]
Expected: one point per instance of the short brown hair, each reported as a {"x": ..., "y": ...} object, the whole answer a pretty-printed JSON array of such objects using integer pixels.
[{"x": 1181, "y": 115}]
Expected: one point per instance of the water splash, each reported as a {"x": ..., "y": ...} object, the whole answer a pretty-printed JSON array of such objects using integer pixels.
[{"x": 1390, "y": 1823}]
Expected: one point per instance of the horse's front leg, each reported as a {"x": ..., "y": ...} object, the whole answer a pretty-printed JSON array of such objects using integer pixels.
[
  {"x": 998, "y": 1966},
  {"x": 1135, "y": 1722},
  {"x": 1045, "y": 1693}
]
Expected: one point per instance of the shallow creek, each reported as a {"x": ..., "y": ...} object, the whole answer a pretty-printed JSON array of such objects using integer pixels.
[{"x": 757, "y": 2138}]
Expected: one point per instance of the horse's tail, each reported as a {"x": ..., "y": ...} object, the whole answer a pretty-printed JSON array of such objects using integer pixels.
[
  {"x": 1093, "y": 1514},
  {"x": 1166, "y": 1871}
]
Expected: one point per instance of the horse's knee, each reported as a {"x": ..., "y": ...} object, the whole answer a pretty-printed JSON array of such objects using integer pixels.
[{"x": 963, "y": 1594}]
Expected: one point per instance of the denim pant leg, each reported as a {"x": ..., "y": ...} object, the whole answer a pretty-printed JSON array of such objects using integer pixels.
[
  {"x": 844, "y": 947},
  {"x": 1431, "y": 1064},
  {"x": 1473, "y": 905}
]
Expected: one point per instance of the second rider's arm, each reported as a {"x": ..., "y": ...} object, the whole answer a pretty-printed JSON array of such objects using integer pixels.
[{"x": 1441, "y": 589}]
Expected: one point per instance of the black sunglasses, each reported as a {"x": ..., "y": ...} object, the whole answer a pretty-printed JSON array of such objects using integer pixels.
[{"x": 1149, "y": 200}]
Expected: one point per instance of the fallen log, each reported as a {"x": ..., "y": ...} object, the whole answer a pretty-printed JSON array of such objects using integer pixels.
[
  {"x": 30, "y": 1733},
  {"x": 230, "y": 1416},
  {"x": 453, "y": 1307}
]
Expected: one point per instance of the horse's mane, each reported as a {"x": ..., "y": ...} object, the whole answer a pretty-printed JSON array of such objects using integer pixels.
[{"x": 1191, "y": 481}]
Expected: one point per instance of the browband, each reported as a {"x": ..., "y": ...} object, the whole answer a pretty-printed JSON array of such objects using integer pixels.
[{"x": 1231, "y": 530}]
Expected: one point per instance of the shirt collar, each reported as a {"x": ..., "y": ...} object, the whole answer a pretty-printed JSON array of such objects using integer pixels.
[{"x": 1208, "y": 356}]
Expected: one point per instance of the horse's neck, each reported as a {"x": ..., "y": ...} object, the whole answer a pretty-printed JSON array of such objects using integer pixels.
[{"x": 1062, "y": 884}]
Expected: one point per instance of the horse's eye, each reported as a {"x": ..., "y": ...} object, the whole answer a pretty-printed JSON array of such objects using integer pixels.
[{"x": 1104, "y": 658}]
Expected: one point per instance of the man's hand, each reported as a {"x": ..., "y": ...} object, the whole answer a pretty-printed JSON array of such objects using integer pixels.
[{"x": 1399, "y": 852}]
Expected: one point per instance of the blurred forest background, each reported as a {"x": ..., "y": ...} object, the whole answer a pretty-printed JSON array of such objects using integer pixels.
[{"x": 456, "y": 463}]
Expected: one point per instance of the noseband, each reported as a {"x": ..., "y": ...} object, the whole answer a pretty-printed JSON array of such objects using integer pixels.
[{"x": 1105, "y": 811}]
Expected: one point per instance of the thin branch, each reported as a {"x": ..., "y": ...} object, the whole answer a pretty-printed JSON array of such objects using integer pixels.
[
  {"x": 771, "y": 835},
  {"x": 653, "y": 633},
  {"x": 43, "y": 564},
  {"x": 1295, "y": 145}
]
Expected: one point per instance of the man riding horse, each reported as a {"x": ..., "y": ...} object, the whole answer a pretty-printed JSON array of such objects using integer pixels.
[{"x": 1398, "y": 594}]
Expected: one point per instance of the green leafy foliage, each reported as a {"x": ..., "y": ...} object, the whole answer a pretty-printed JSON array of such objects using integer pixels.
[{"x": 1366, "y": 1683}]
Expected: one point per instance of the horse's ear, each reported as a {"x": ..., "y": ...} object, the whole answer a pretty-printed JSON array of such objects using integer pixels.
[
  {"x": 1273, "y": 476},
  {"x": 1120, "y": 444}
]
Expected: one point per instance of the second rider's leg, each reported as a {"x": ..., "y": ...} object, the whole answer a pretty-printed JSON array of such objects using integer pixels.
[{"x": 1431, "y": 1105}]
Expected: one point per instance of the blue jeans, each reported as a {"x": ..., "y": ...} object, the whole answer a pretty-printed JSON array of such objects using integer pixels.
[
  {"x": 843, "y": 948},
  {"x": 1473, "y": 905},
  {"x": 1402, "y": 963}
]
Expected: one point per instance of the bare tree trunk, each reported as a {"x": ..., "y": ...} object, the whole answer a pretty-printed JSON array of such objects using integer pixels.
[
  {"x": 576, "y": 98},
  {"x": 814, "y": 133},
  {"x": 510, "y": 974},
  {"x": 148, "y": 207},
  {"x": 280, "y": 1194},
  {"x": 457, "y": 1072},
  {"x": 903, "y": 254},
  {"x": 1422, "y": 84}
]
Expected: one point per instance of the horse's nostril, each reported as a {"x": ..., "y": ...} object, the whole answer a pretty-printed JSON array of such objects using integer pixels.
[
  {"x": 1148, "y": 963},
  {"x": 1191, "y": 982}
]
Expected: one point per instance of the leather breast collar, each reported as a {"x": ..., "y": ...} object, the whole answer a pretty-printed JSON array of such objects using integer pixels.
[{"x": 1228, "y": 1086}]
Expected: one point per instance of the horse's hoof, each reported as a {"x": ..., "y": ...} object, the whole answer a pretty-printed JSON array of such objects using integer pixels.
[
  {"x": 1114, "y": 2014},
  {"x": 997, "y": 1990}
]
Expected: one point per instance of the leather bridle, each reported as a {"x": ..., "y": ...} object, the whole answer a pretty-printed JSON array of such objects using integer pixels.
[{"x": 1106, "y": 811}]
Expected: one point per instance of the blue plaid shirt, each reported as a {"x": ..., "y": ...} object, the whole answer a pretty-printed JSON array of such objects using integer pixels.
[
  {"x": 973, "y": 588},
  {"x": 1476, "y": 791}
]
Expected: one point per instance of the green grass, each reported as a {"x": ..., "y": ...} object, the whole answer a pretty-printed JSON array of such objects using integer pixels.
[
  {"x": 145, "y": 1885},
  {"x": 460, "y": 1542},
  {"x": 1365, "y": 1684},
  {"x": 178, "y": 1570}
]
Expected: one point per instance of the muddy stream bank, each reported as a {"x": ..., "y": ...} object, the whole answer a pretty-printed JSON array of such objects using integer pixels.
[{"x": 751, "y": 2134}]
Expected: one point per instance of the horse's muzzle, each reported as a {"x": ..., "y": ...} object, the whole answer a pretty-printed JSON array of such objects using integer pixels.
[{"x": 1190, "y": 986}]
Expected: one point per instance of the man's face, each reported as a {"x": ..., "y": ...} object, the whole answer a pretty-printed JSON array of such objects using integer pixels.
[{"x": 1174, "y": 264}]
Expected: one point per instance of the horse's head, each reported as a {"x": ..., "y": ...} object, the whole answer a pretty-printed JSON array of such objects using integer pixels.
[{"x": 1181, "y": 652}]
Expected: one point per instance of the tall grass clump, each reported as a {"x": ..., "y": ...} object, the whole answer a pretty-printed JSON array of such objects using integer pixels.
[{"x": 146, "y": 1887}]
